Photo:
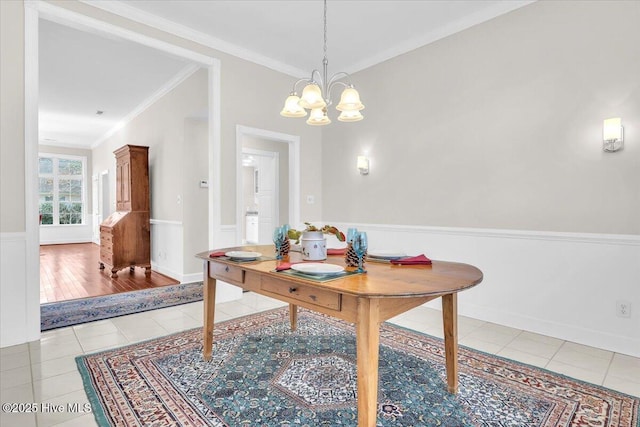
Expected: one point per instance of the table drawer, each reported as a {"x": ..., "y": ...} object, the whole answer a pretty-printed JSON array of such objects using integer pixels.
[
  {"x": 302, "y": 293},
  {"x": 226, "y": 272}
]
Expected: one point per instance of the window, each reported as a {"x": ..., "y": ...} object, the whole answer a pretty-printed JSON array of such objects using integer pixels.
[{"x": 61, "y": 189}]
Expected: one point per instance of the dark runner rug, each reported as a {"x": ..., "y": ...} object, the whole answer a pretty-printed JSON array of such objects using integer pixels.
[
  {"x": 67, "y": 313},
  {"x": 262, "y": 374}
]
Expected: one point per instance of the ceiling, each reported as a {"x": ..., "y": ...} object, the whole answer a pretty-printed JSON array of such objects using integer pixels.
[{"x": 82, "y": 72}]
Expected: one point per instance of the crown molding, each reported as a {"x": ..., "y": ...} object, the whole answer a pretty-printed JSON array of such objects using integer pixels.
[
  {"x": 123, "y": 10},
  {"x": 60, "y": 15},
  {"x": 469, "y": 21},
  {"x": 182, "y": 75}
]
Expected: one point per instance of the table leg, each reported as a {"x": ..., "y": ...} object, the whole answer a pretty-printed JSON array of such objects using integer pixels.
[
  {"x": 293, "y": 316},
  {"x": 450, "y": 320},
  {"x": 209, "y": 299},
  {"x": 367, "y": 353}
]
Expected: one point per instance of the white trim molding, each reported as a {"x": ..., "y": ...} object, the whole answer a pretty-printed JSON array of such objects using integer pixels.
[
  {"x": 596, "y": 238},
  {"x": 154, "y": 21},
  {"x": 26, "y": 324},
  {"x": 31, "y": 283},
  {"x": 66, "y": 17},
  {"x": 564, "y": 285}
]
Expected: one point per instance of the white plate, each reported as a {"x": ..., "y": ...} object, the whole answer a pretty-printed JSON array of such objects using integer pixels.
[
  {"x": 382, "y": 254},
  {"x": 243, "y": 255},
  {"x": 317, "y": 268}
]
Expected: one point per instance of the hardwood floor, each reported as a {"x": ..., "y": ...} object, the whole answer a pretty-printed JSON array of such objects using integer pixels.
[{"x": 71, "y": 271}]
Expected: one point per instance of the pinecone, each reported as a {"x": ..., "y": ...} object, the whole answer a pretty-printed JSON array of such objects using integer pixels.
[
  {"x": 351, "y": 258},
  {"x": 285, "y": 248}
]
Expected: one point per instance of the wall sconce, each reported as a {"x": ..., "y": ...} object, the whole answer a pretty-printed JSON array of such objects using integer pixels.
[
  {"x": 612, "y": 135},
  {"x": 363, "y": 165}
]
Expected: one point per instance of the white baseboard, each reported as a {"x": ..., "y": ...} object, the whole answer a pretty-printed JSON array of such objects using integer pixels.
[
  {"x": 167, "y": 255},
  {"x": 65, "y": 234},
  {"x": 190, "y": 278}
]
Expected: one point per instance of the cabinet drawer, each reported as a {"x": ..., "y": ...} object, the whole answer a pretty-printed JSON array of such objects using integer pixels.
[
  {"x": 105, "y": 238},
  {"x": 106, "y": 247},
  {"x": 226, "y": 272},
  {"x": 302, "y": 293},
  {"x": 106, "y": 257}
]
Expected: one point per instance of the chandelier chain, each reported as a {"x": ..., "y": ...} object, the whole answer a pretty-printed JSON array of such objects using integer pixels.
[{"x": 325, "y": 29}]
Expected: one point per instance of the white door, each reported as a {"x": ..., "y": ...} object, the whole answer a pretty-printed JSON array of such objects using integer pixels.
[
  {"x": 100, "y": 202},
  {"x": 105, "y": 195},
  {"x": 266, "y": 182},
  {"x": 267, "y": 196},
  {"x": 95, "y": 214}
]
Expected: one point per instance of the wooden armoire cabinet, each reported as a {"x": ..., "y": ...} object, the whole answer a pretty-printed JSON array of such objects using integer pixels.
[{"x": 125, "y": 236}]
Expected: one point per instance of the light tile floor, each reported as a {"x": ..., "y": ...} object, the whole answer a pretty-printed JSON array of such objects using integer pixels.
[{"x": 45, "y": 371}]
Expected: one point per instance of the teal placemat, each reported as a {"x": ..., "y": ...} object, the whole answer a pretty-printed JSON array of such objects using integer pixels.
[{"x": 317, "y": 277}]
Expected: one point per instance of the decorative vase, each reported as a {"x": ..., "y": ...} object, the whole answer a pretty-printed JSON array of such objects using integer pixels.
[{"x": 314, "y": 246}]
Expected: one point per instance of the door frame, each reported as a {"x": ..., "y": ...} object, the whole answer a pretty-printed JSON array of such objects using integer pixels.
[
  {"x": 33, "y": 12},
  {"x": 293, "y": 142}
]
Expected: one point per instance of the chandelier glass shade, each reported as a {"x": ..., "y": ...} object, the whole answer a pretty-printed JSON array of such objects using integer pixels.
[{"x": 316, "y": 94}]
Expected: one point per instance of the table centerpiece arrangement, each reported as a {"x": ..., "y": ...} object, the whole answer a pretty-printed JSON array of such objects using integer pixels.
[{"x": 313, "y": 241}]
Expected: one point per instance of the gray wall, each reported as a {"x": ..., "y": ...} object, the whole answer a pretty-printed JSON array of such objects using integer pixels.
[
  {"x": 499, "y": 126},
  {"x": 161, "y": 127},
  {"x": 177, "y": 160},
  {"x": 12, "y": 209},
  {"x": 195, "y": 198}
]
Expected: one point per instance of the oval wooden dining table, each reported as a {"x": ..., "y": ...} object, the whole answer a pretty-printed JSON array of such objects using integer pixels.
[{"x": 366, "y": 299}]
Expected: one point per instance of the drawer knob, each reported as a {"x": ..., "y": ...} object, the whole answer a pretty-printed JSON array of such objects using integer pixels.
[
  {"x": 292, "y": 290},
  {"x": 226, "y": 269}
]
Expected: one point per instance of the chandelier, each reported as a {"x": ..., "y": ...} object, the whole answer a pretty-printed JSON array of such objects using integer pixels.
[{"x": 316, "y": 95}]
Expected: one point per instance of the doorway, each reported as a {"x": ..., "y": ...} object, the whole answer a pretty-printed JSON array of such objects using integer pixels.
[
  {"x": 261, "y": 194},
  {"x": 41, "y": 10},
  {"x": 100, "y": 195},
  {"x": 267, "y": 183}
]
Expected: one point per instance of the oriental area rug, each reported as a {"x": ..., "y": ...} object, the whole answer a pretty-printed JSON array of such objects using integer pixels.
[
  {"x": 73, "y": 312},
  {"x": 262, "y": 374}
]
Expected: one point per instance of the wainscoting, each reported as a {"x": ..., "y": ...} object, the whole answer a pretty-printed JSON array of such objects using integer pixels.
[
  {"x": 168, "y": 255},
  {"x": 15, "y": 318},
  {"x": 61, "y": 234},
  {"x": 564, "y": 285},
  {"x": 20, "y": 290}
]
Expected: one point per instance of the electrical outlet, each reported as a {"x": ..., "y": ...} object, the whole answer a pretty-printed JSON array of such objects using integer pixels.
[{"x": 623, "y": 308}]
